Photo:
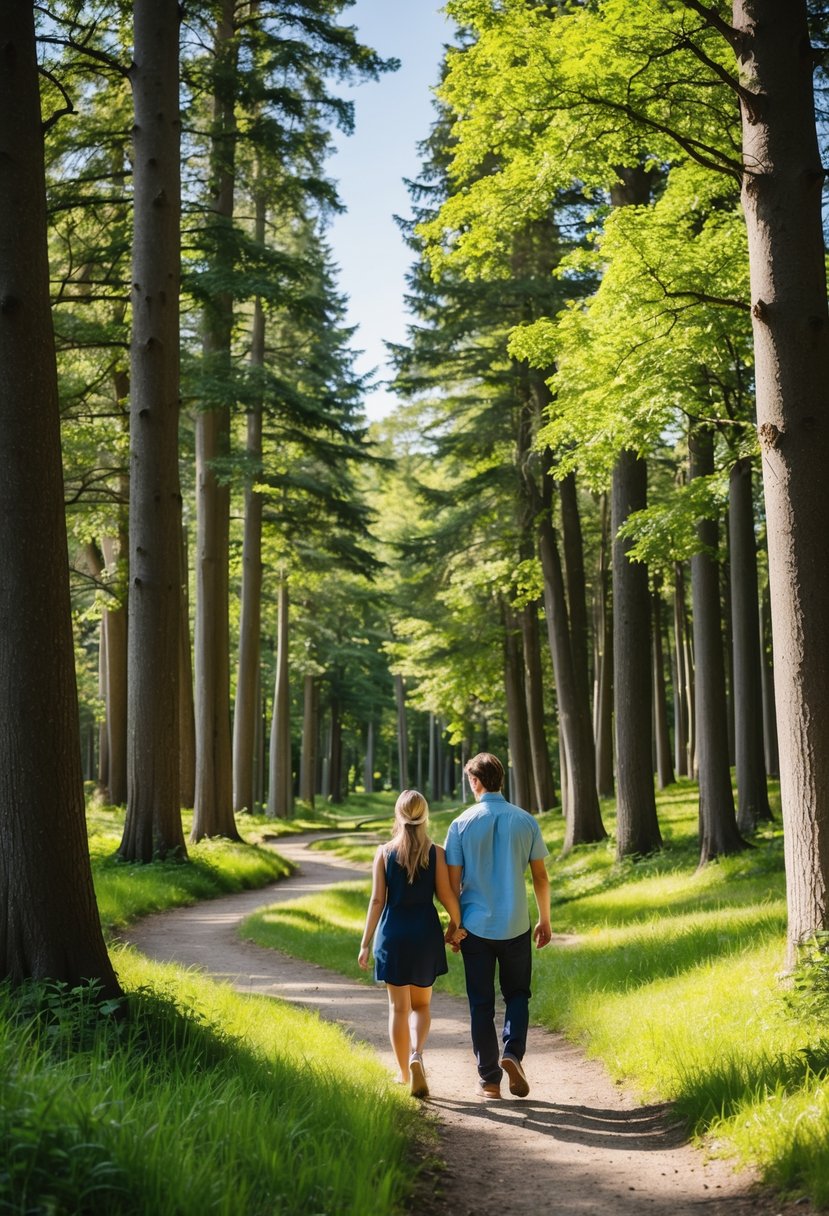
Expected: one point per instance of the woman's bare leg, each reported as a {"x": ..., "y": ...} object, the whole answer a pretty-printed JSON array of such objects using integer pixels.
[
  {"x": 420, "y": 1018},
  {"x": 400, "y": 1007}
]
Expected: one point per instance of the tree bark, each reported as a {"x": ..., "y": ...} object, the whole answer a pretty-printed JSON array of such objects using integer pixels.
[
  {"x": 543, "y": 783},
  {"x": 681, "y": 696},
  {"x": 575, "y": 583},
  {"x": 434, "y": 777},
  {"x": 752, "y": 793},
  {"x": 717, "y": 819},
  {"x": 114, "y": 627},
  {"x": 769, "y": 707},
  {"x": 187, "y": 708},
  {"x": 637, "y": 827},
  {"x": 247, "y": 679},
  {"x": 520, "y": 763},
  {"x": 310, "y": 730},
  {"x": 153, "y": 822},
  {"x": 280, "y": 785},
  {"x": 112, "y": 676},
  {"x": 603, "y": 686},
  {"x": 213, "y": 810},
  {"x": 402, "y": 733},
  {"x": 583, "y": 819},
  {"x": 49, "y": 926},
  {"x": 664, "y": 767},
  {"x": 103, "y": 746},
  {"x": 368, "y": 767},
  {"x": 782, "y": 204},
  {"x": 335, "y": 753}
]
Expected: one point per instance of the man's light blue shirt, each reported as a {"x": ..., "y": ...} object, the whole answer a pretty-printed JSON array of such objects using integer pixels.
[{"x": 494, "y": 842}]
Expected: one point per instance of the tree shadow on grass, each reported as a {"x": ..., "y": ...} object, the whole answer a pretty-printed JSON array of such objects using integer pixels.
[{"x": 637, "y": 957}]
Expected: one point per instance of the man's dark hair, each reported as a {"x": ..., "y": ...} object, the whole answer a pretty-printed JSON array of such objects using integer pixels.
[{"x": 488, "y": 769}]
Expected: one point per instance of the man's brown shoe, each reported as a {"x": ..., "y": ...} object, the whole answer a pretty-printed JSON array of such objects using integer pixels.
[
  {"x": 489, "y": 1089},
  {"x": 518, "y": 1083}
]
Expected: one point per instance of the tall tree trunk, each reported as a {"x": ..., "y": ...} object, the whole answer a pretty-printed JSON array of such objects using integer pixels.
[
  {"x": 681, "y": 700},
  {"x": 520, "y": 763},
  {"x": 402, "y": 733},
  {"x": 259, "y": 749},
  {"x": 187, "y": 708},
  {"x": 544, "y": 788},
  {"x": 664, "y": 767},
  {"x": 728, "y": 647},
  {"x": 310, "y": 731},
  {"x": 575, "y": 583},
  {"x": 368, "y": 770},
  {"x": 280, "y": 786},
  {"x": 767, "y": 673},
  {"x": 637, "y": 828},
  {"x": 335, "y": 753},
  {"x": 103, "y": 745},
  {"x": 153, "y": 822},
  {"x": 213, "y": 810},
  {"x": 717, "y": 819},
  {"x": 112, "y": 674},
  {"x": 114, "y": 626},
  {"x": 437, "y": 780},
  {"x": 49, "y": 926},
  {"x": 247, "y": 679},
  {"x": 782, "y": 204},
  {"x": 603, "y": 687},
  {"x": 583, "y": 819},
  {"x": 449, "y": 768},
  {"x": 752, "y": 793}
]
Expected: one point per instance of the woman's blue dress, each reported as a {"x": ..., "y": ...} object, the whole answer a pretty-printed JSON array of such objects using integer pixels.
[{"x": 408, "y": 942}]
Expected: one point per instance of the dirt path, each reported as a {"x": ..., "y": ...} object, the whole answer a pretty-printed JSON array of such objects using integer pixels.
[{"x": 578, "y": 1144}]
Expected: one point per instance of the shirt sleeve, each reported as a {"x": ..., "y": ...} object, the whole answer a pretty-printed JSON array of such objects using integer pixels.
[
  {"x": 454, "y": 851},
  {"x": 538, "y": 848}
]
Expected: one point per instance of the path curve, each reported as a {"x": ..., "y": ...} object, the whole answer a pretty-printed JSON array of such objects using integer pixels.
[{"x": 578, "y": 1144}]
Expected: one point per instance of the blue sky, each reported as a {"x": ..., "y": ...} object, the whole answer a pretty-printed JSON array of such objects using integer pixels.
[{"x": 391, "y": 116}]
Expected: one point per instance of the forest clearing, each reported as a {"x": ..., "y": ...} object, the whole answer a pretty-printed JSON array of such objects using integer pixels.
[{"x": 587, "y": 536}]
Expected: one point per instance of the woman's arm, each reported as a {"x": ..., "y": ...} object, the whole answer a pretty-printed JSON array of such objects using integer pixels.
[
  {"x": 375, "y": 905},
  {"x": 448, "y": 897}
]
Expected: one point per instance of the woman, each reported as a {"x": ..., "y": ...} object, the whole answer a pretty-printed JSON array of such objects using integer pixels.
[{"x": 409, "y": 950}]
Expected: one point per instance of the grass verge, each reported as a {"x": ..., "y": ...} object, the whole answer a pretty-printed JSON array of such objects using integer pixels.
[
  {"x": 200, "y": 1101},
  {"x": 189, "y": 1098},
  {"x": 670, "y": 977}
]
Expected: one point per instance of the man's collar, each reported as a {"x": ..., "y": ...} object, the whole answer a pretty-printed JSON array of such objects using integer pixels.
[{"x": 489, "y": 795}]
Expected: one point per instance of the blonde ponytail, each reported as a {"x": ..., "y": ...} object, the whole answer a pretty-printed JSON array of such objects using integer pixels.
[{"x": 411, "y": 839}]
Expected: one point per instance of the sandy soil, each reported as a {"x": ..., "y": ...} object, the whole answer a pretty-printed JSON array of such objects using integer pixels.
[{"x": 577, "y": 1144}]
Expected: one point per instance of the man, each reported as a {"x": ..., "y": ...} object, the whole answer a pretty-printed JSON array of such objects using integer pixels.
[{"x": 488, "y": 849}]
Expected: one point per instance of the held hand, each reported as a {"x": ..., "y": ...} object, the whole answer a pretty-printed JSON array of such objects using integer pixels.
[
  {"x": 454, "y": 936},
  {"x": 362, "y": 958},
  {"x": 543, "y": 934}
]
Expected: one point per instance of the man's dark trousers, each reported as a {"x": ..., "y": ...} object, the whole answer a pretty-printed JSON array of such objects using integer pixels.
[{"x": 513, "y": 957}]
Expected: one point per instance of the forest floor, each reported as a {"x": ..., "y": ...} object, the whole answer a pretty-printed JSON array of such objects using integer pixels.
[{"x": 578, "y": 1144}]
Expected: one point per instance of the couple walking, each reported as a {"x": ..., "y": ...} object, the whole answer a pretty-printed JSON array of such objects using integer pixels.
[{"x": 479, "y": 879}]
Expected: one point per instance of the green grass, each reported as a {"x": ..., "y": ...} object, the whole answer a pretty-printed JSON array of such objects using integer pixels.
[
  {"x": 200, "y": 1101},
  {"x": 670, "y": 977},
  {"x": 126, "y": 891}
]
